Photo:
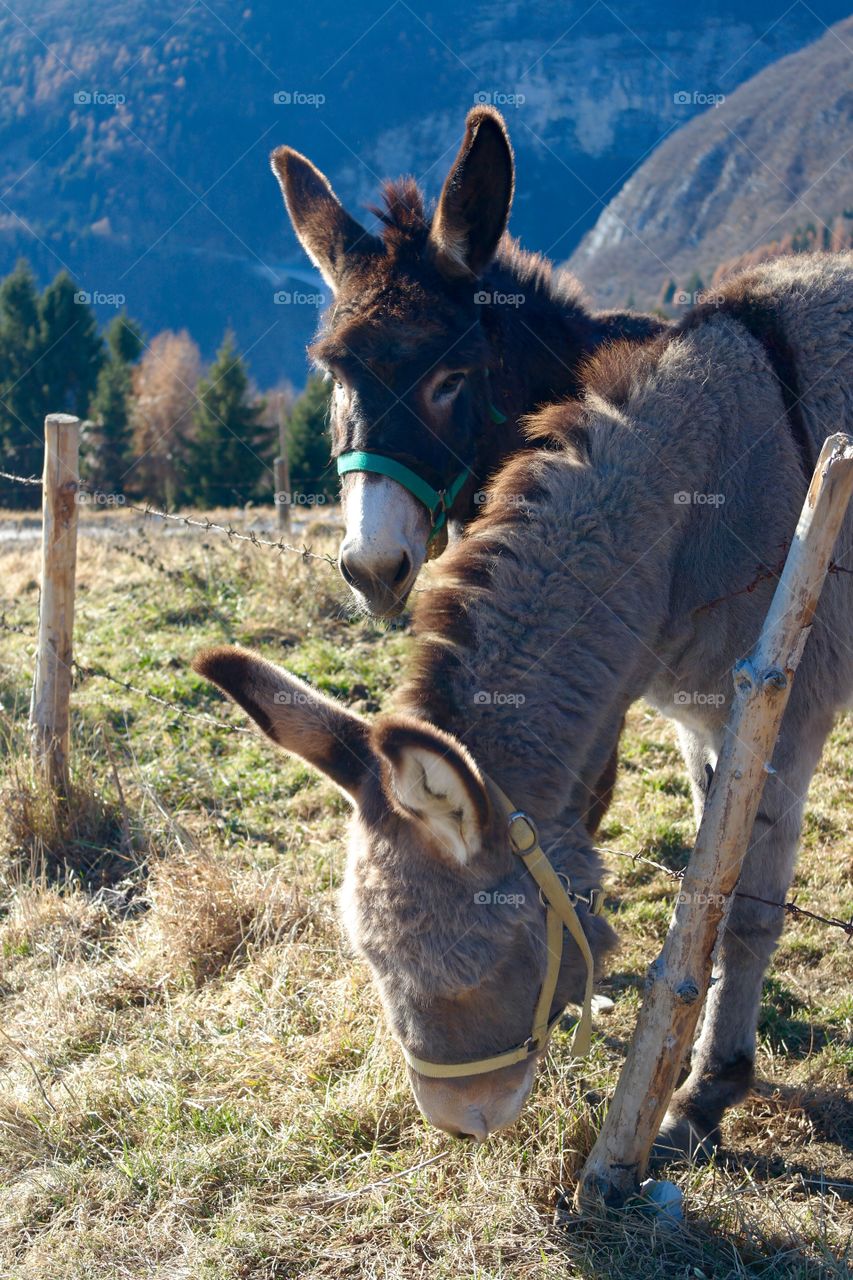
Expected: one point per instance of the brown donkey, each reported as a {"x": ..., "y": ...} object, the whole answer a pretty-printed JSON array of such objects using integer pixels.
[{"x": 442, "y": 335}]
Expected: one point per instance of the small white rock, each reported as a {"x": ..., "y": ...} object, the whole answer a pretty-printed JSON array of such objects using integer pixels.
[{"x": 663, "y": 1198}]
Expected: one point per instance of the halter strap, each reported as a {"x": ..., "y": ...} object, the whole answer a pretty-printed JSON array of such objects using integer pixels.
[
  {"x": 559, "y": 912},
  {"x": 437, "y": 501}
]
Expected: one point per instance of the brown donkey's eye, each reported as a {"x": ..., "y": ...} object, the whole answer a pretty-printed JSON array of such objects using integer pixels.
[{"x": 447, "y": 387}]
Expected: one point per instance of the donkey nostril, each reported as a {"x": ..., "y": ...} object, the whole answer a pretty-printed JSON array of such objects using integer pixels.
[
  {"x": 474, "y": 1126},
  {"x": 373, "y": 576},
  {"x": 403, "y": 570}
]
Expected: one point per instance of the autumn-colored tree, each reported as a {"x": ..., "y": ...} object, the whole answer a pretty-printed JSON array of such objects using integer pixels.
[{"x": 164, "y": 391}]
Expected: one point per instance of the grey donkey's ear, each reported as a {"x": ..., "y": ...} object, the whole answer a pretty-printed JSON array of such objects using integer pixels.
[
  {"x": 429, "y": 775},
  {"x": 327, "y": 233},
  {"x": 295, "y": 716},
  {"x": 474, "y": 205}
]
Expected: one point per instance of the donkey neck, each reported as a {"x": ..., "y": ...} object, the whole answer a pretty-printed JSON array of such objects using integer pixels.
[
  {"x": 538, "y": 328},
  {"x": 542, "y": 627}
]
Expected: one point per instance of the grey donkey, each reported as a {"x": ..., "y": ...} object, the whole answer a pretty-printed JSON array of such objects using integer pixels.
[{"x": 611, "y": 566}]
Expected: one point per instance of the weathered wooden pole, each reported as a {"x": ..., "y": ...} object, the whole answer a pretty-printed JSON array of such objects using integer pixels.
[
  {"x": 282, "y": 472},
  {"x": 49, "y": 708},
  {"x": 678, "y": 981}
]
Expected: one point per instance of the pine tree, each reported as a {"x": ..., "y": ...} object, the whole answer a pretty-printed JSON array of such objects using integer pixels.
[
  {"x": 72, "y": 346},
  {"x": 110, "y": 451},
  {"x": 124, "y": 338},
  {"x": 308, "y": 441},
  {"x": 22, "y": 404},
  {"x": 230, "y": 448}
]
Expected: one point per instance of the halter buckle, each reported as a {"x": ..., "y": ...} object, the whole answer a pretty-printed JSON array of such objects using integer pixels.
[
  {"x": 567, "y": 885},
  {"x": 596, "y": 902},
  {"x": 523, "y": 836}
]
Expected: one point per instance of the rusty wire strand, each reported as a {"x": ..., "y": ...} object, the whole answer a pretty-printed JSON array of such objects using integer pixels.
[
  {"x": 209, "y": 526},
  {"x": 791, "y": 908},
  {"x": 101, "y": 674}
]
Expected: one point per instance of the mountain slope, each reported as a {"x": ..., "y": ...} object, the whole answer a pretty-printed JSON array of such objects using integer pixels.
[{"x": 775, "y": 157}]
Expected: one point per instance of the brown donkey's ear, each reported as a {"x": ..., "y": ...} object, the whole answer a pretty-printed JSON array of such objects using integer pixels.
[
  {"x": 475, "y": 201},
  {"x": 294, "y": 715},
  {"x": 429, "y": 775},
  {"x": 326, "y": 231}
]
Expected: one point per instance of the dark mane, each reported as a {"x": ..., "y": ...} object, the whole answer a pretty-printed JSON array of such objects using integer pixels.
[
  {"x": 441, "y": 617},
  {"x": 405, "y": 224},
  {"x": 403, "y": 218},
  {"x": 539, "y": 276}
]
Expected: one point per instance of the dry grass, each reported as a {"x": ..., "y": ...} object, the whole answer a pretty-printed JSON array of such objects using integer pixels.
[{"x": 196, "y": 1079}]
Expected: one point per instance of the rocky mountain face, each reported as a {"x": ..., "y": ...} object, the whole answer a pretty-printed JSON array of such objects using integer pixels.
[
  {"x": 134, "y": 136},
  {"x": 769, "y": 167}
]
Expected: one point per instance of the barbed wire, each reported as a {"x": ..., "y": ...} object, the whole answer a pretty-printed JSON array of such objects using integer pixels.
[
  {"x": 763, "y": 573},
  {"x": 101, "y": 673},
  {"x": 791, "y": 908},
  {"x": 207, "y": 525}
]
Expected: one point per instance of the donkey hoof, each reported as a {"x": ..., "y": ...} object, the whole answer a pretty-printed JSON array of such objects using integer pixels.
[{"x": 685, "y": 1137}]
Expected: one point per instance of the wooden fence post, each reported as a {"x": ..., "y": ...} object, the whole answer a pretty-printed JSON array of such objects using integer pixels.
[
  {"x": 281, "y": 474},
  {"x": 678, "y": 981},
  {"x": 49, "y": 708}
]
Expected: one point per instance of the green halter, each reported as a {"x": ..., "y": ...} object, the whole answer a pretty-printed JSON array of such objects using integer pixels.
[{"x": 437, "y": 501}]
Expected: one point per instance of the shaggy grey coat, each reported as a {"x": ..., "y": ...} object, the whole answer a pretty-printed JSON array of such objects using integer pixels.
[{"x": 623, "y": 571}]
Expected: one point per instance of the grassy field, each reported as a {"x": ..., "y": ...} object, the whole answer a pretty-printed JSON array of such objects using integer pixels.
[{"x": 196, "y": 1081}]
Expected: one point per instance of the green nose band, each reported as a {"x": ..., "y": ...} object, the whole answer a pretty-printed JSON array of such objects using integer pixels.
[{"x": 437, "y": 501}]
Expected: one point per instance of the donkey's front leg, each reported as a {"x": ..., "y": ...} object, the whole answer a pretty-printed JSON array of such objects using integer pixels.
[{"x": 724, "y": 1053}]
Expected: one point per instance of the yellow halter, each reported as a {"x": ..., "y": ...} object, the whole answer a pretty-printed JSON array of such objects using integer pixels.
[{"x": 559, "y": 911}]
